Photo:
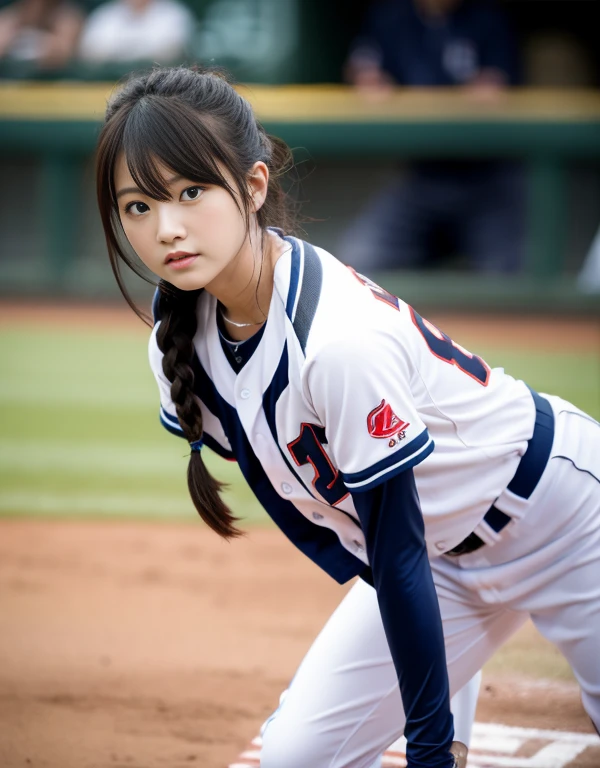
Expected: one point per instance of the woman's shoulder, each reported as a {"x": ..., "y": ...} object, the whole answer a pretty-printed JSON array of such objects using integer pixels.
[
  {"x": 354, "y": 319},
  {"x": 335, "y": 313},
  {"x": 310, "y": 273}
]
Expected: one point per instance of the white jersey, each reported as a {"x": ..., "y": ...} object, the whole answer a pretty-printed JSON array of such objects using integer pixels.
[{"x": 348, "y": 387}]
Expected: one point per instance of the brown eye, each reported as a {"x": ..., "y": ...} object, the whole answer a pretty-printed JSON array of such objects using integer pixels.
[
  {"x": 191, "y": 193},
  {"x": 136, "y": 208}
]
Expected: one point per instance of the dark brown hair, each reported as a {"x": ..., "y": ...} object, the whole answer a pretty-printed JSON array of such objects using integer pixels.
[{"x": 193, "y": 123}]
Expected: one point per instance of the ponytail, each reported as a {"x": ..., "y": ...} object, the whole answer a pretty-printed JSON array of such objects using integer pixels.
[{"x": 177, "y": 310}]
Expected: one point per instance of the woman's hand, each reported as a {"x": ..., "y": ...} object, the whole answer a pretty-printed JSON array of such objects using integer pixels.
[{"x": 460, "y": 752}]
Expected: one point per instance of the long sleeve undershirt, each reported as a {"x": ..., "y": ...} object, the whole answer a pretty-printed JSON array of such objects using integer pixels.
[{"x": 390, "y": 515}]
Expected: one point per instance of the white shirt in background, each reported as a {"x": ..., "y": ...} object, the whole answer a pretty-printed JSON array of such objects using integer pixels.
[{"x": 117, "y": 31}]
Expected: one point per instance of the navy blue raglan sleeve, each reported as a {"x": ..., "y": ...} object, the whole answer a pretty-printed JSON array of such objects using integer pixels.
[
  {"x": 392, "y": 522},
  {"x": 361, "y": 387}
]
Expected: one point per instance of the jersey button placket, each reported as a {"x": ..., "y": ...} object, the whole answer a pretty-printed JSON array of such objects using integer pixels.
[{"x": 247, "y": 405}]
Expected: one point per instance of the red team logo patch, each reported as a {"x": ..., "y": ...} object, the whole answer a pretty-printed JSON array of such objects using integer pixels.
[{"x": 382, "y": 422}]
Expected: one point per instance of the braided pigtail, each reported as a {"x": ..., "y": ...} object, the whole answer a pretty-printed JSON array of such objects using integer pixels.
[
  {"x": 193, "y": 125},
  {"x": 177, "y": 310}
]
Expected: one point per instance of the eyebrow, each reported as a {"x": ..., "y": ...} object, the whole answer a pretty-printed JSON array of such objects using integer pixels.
[{"x": 134, "y": 190}]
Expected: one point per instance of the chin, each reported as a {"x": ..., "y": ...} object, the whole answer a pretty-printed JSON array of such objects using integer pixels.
[{"x": 187, "y": 282}]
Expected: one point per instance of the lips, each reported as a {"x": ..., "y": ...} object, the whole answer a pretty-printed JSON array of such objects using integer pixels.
[{"x": 178, "y": 256}]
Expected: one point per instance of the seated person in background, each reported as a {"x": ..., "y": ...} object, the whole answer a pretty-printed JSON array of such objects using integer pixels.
[
  {"x": 473, "y": 208},
  {"x": 42, "y": 33},
  {"x": 137, "y": 30},
  {"x": 588, "y": 279}
]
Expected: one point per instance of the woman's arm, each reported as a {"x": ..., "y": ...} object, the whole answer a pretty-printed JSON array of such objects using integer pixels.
[
  {"x": 392, "y": 522},
  {"x": 361, "y": 387}
]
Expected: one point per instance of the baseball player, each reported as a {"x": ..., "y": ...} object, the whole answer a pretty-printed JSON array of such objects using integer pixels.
[{"x": 464, "y": 500}]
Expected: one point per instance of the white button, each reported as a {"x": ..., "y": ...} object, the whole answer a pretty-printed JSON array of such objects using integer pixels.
[
  {"x": 441, "y": 545},
  {"x": 358, "y": 545},
  {"x": 245, "y": 394},
  {"x": 286, "y": 488},
  {"x": 317, "y": 516}
]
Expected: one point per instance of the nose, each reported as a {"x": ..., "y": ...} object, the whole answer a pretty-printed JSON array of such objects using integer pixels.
[{"x": 170, "y": 226}]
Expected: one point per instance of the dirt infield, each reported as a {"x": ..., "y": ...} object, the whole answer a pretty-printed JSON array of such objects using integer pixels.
[{"x": 134, "y": 645}]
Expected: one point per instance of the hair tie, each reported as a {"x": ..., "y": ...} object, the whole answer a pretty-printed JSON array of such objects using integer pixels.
[{"x": 196, "y": 445}]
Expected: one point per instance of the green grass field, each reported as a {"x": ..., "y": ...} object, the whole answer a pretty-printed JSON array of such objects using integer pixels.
[{"x": 80, "y": 436}]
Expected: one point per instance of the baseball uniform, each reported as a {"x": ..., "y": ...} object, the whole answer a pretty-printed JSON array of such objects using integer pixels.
[{"x": 378, "y": 445}]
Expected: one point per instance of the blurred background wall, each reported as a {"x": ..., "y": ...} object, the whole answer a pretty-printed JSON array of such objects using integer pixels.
[{"x": 272, "y": 42}]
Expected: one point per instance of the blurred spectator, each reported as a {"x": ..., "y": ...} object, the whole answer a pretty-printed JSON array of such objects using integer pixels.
[
  {"x": 42, "y": 33},
  {"x": 439, "y": 207},
  {"x": 137, "y": 30},
  {"x": 588, "y": 279}
]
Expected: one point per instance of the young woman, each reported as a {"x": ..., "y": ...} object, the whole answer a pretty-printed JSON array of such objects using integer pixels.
[{"x": 465, "y": 501}]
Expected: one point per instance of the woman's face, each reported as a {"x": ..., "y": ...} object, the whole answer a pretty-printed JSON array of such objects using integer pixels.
[{"x": 188, "y": 240}]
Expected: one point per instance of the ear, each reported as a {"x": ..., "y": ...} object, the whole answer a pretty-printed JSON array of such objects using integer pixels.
[{"x": 258, "y": 181}]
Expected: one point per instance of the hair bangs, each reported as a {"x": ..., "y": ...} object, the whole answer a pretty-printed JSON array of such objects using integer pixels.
[{"x": 159, "y": 137}]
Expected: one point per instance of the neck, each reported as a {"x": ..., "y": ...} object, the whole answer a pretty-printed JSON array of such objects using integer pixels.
[{"x": 245, "y": 288}]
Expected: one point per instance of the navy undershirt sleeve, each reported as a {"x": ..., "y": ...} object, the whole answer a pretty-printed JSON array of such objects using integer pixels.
[{"x": 390, "y": 515}]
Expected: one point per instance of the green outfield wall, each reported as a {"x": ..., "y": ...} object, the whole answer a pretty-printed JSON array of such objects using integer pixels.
[{"x": 50, "y": 240}]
